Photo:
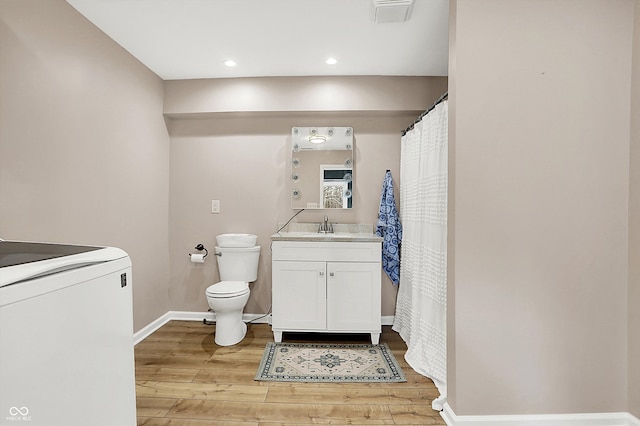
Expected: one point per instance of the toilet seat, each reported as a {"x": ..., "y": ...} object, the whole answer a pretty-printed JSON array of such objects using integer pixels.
[{"x": 226, "y": 289}]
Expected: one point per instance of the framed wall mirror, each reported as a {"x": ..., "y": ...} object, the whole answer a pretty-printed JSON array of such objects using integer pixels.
[{"x": 322, "y": 168}]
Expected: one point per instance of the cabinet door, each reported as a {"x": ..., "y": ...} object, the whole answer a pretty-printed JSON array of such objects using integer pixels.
[
  {"x": 299, "y": 295},
  {"x": 353, "y": 296}
]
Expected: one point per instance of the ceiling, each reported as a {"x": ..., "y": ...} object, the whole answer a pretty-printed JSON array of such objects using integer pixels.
[{"x": 188, "y": 39}]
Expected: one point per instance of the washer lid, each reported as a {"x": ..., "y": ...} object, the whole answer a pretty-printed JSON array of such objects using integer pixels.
[
  {"x": 228, "y": 288},
  {"x": 21, "y": 261}
]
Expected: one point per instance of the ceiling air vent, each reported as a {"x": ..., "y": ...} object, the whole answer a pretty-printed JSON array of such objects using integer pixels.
[{"x": 390, "y": 11}]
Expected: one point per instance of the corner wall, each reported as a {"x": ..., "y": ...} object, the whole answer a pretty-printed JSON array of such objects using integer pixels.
[
  {"x": 541, "y": 213},
  {"x": 634, "y": 226},
  {"x": 84, "y": 150}
]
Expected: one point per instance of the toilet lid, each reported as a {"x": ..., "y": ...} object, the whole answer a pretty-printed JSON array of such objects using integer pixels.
[{"x": 228, "y": 289}]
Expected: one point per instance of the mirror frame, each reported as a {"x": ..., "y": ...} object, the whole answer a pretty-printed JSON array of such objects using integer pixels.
[{"x": 331, "y": 144}]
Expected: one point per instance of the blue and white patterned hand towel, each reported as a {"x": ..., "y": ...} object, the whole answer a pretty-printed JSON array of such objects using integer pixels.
[{"x": 390, "y": 229}]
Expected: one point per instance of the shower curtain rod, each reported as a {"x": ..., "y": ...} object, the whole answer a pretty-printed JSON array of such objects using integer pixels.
[{"x": 428, "y": 110}]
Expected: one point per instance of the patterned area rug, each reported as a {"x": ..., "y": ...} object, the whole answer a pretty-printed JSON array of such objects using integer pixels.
[{"x": 316, "y": 362}]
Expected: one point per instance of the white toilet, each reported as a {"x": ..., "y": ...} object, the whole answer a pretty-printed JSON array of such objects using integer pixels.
[{"x": 237, "y": 257}]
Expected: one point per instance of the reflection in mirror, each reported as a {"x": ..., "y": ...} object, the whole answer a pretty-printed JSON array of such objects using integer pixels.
[
  {"x": 336, "y": 187},
  {"x": 322, "y": 168}
]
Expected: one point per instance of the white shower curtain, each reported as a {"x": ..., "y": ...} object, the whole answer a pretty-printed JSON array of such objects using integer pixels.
[{"x": 422, "y": 294}]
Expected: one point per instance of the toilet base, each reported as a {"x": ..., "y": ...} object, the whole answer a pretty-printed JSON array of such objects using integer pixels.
[
  {"x": 229, "y": 334},
  {"x": 230, "y": 329}
]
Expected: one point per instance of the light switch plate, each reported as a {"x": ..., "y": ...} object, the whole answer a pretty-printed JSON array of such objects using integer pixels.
[{"x": 215, "y": 206}]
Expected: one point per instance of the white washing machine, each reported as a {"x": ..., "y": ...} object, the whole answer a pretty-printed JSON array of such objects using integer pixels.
[{"x": 66, "y": 335}]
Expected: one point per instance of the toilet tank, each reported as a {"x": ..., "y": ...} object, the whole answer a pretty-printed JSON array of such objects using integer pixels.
[
  {"x": 236, "y": 240},
  {"x": 238, "y": 263}
]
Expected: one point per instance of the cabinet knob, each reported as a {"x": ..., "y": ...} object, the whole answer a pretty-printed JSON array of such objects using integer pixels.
[
  {"x": 331, "y": 274},
  {"x": 321, "y": 273}
]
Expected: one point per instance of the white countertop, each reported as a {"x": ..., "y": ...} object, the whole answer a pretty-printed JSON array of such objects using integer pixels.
[{"x": 342, "y": 232}]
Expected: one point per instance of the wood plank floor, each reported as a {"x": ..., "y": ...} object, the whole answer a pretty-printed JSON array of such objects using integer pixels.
[{"x": 184, "y": 379}]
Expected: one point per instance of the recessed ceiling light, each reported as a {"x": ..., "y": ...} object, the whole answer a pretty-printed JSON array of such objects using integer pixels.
[
  {"x": 230, "y": 63},
  {"x": 331, "y": 61}
]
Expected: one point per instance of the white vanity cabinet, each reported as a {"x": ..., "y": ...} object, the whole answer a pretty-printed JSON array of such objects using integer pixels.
[{"x": 326, "y": 286}]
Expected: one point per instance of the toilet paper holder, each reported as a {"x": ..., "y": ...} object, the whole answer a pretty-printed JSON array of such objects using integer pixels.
[{"x": 200, "y": 247}]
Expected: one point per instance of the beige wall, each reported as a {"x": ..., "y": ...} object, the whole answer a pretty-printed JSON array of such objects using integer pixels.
[
  {"x": 84, "y": 150},
  {"x": 540, "y": 193},
  {"x": 243, "y": 160},
  {"x": 296, "y": 94},
  {"x": 452, "y": 387},
  {"x": 634, "y": 226}
]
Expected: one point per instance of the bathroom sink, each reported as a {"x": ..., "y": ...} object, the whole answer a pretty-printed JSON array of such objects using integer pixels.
[{"x": 236, "y": 240}]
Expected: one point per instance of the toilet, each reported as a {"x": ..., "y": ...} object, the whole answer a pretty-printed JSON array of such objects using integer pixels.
[{"x": 237, "y": 257}]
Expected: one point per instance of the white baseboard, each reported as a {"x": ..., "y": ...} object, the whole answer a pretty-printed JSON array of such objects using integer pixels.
[
  {"x": 586, "y": 419},
  {"x": 146, "y": 331},
  {"x": 211, "y": 316},
  {"x": 191, "y": 316}
]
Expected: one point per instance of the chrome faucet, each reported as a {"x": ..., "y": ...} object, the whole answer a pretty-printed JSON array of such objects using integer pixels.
[{"x": 325, "y": 227}]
